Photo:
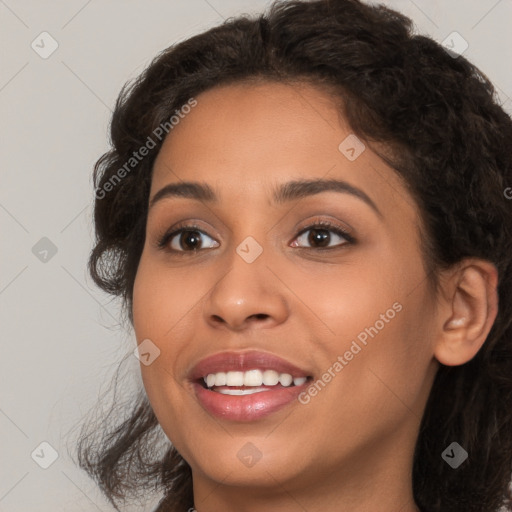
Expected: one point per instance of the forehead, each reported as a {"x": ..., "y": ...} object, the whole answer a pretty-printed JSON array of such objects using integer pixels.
[
  {"x": 254, "y": 123},
  {"x": 244, "y": 139}
]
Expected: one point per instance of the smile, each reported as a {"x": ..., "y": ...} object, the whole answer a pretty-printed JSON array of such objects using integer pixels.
[{"x": 246, "y": 386}]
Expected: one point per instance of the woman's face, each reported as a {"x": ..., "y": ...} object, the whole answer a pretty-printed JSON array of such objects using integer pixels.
[{"x": 352, "y": 314}]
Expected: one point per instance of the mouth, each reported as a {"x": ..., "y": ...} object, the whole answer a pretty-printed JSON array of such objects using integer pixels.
[
  {"x": 247, "y": 386},
  {"x": 237, "y": 383}
]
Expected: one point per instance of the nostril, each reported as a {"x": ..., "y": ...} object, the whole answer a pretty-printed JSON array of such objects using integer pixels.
[{"x": 218, "y": 319}]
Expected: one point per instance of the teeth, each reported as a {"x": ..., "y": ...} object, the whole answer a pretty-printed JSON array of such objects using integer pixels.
[
  {"x": 285, "y": 379},
  {"x": 252, "y": 378},
  {"x": 220, "y": 379},
  {"x": 235, "y": 379},
  {"x": 270, "y": 377}
]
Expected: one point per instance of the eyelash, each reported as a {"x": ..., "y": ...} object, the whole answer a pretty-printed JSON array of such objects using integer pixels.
[{"x": 336, "y": 229}]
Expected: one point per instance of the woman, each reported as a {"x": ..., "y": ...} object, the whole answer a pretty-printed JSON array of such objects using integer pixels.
[{"x": 306, "y": 217}]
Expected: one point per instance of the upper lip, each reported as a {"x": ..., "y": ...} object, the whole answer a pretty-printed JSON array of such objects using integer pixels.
[{"x": 243, "y": 361}]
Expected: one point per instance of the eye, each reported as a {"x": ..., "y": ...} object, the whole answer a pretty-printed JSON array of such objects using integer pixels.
[
  {"x": 319, "y": 236},
  {"x": 190, "y": 239}
]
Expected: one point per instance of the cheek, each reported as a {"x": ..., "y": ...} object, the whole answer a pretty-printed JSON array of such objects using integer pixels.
[
  {"x": 157, "y": 309},
  {"x": 379, "y": 385},
  {"x": 162, "y": 298},
  {"x": 376, "y": 316},
  {"x": 342, "y": 302},
  {"x": 389, "y": 375}
]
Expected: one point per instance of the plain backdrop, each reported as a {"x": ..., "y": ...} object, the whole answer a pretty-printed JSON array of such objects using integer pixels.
[{"x": 61, "y": 337}]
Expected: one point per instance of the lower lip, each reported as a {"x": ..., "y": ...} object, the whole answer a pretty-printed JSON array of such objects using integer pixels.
[{"x": 247, "y": 407}]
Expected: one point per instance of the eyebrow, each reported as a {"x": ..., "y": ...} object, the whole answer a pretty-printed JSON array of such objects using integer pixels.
[{"x": 289, "y": 191}]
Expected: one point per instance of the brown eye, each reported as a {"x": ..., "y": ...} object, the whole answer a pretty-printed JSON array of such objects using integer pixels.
[
  {"x": 321, "y": 235},
  {"x": 187, "y": 239}
]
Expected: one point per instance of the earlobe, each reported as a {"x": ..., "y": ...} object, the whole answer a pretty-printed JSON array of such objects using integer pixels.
[{"x": 469, "y": 312}]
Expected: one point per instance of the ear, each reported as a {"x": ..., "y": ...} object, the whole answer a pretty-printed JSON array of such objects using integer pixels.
[{"x": 469, "y": 308}]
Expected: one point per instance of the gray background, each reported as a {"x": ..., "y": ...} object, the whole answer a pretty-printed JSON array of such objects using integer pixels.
[{"x": 61, "y": 337}]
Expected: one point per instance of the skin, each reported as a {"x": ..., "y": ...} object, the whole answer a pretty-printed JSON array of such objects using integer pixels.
[{"x": 351, "y": 447}]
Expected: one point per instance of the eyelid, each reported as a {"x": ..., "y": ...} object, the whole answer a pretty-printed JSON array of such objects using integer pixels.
[{"x": 333, "y": 225}]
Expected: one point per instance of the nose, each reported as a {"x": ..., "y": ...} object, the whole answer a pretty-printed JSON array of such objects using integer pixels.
[{"x": 249, "y": 295}]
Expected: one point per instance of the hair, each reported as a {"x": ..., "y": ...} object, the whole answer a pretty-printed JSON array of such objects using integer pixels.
[{"x": 449, "y": 141}]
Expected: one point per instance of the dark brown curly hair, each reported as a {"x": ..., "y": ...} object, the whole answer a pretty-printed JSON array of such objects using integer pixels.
[{"x": 448, "y": 138}]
